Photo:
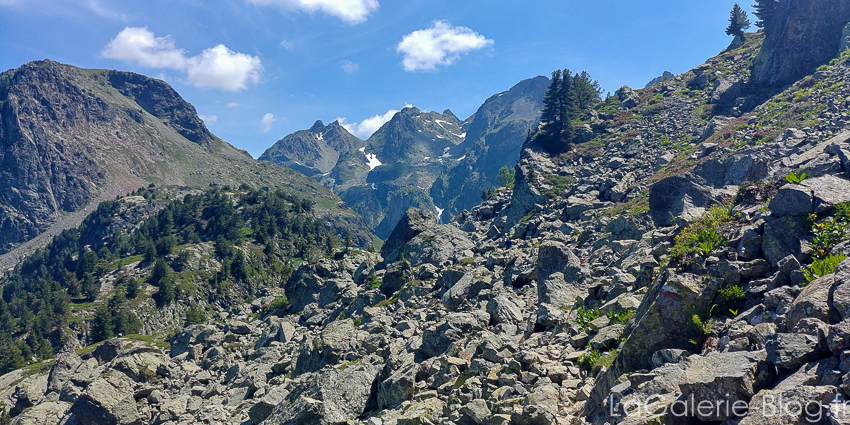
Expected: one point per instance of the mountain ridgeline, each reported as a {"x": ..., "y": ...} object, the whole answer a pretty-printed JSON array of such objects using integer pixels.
[
  {"x": 71, "y": 138},
  {"x": 426, "y": 160}
]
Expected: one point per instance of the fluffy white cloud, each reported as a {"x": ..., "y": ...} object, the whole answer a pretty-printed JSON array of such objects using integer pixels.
[
  {"x": 267, "y": 121},
  {"x": 209, "y": 119},
  {"x": 350, "y": 11},
  {"x": 364, "y": 129},
  {"x": 442, "y": 44},
  {"x": 217, "y": 67},
  {"x": 234, "y": 105},
  {"x": 349, "y": 67},
  {"x": 223, "y": 68}
]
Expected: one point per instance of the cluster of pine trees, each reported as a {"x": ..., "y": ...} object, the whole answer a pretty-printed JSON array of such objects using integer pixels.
[
  {"x": 38, "y": 295},
  {"x": 765, "y": 11},
  {"x": 568, "y": 97}
]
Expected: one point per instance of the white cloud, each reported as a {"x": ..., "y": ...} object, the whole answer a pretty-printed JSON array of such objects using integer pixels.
[
  {"x": 223, "y": 68},
  {"x": 364, "y": 129},
  {"x": 288, "y": 45},
  {"x": 442, "y": 44},
  {"x": 349, "y": 67},
  {"x": 217, "y": 67},
  {"x": 350, "y": 11},
  {"x": 267, "y": 121},
  {"x": 209, "y": 119},
  {"x": 234, "y": 105}
]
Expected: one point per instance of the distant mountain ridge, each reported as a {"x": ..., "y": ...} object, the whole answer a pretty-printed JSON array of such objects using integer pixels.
[
  {"x": 428, "y": 160},
  {"x": 313, "y": 151},
  {"x": 70, "y": 137}
]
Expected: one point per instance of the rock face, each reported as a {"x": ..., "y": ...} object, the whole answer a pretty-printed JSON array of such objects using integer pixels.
[
  {"x": 314, "y": 151},
  {"x": 493, "y": 139},
  {"x": 806, "y": 34},
  {"x": 412, "y": 223}
]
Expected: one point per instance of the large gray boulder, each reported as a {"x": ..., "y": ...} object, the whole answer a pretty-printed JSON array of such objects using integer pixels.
[
  {"x": 412, "y": 223},
  {"x": 781, "y": 238},
  {"x": 827, "y": 191},
  {"x": 791, "y": 200},
  {"x": 727, "y": 91},
  {"x": 436, "y": 339},
  {"x": 733, "y": 170},
  {"x": 788, "y": 351},
  {"x": 503, "y": 310},
  {"x": 107, "y": 401},
  {"x": 678, "y": 196},
  {"x": 438, "y": 245},
  {"x": 722, "y": 379},
  {"x": 334, "y": 396},
  {"x": 334, "y": 341},
  {"x": 664, "y": 315}
]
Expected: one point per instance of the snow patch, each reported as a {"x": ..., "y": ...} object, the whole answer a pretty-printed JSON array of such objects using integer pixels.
[
  {"x": 461, "y": 158},
  {"x": 371, "y": 159},
  {"x": 374, "y": 187},
  {"x": 320, "y": 137},
  {"x": 363, "y": 149},
  {"x": 441, "y": 122},
  {"x": 439, "y": 213},
  {"x": 446, "y": 153}
]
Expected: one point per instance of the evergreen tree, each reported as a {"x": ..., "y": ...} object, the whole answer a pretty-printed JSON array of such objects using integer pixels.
[
  {"x": 567, "y": 98},
  {"x": 765, "y": 11},
  {"x": 102, "y": 326},
  {"x": 738, "y": 21},
  {"x": 132, "y": 288},
  {"x": 507, "y": 176}
]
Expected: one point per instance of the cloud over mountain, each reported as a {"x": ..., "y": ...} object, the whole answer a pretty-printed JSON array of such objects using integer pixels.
[
  {"x": 216, "y": 67},
  {"x": 441, "y": 44}
]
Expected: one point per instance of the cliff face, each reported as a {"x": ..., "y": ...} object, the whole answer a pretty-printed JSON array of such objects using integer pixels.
[
  {"x": 71, "y": 137},
  {"x": 807, "y": 34}
]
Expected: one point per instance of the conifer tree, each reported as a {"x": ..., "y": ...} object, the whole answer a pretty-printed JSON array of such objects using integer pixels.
[
  {"x": 765, "y": 10},
  {"x": 567, "y": 98},
  {"x": 738, "y": 21}
]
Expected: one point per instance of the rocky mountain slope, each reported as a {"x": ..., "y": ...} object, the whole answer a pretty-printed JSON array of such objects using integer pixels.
[
  {"x": 71, "y": 137},
  {"x": 314, "y": 151},
  {"x": 418, "y": 159},
  {"x": 674, "y": 267}
]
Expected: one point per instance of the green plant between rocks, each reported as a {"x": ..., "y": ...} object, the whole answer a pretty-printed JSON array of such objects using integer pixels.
[
  {"x": 703, "y": 236},
  {"x": 823, "y": 266}
]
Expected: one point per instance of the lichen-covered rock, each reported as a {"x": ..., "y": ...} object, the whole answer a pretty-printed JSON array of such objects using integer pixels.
[
  {"x": 721, "y": 379},
  {"x": 792, "y": 200},
  {"x": 107, "y": 401},
  {"x": 333, "y": 396},
  {"x": 678, "y": 196},
  {"x": 781, "y": 239},
  {"x": 664, "y": 314},
  {"x": 438, "y": 245}
]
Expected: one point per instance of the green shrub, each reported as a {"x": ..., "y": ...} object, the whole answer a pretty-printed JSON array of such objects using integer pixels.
[
  {"x": 584, "y": 316},
  {"x": 703, "y": 236},
  {"x": 823, "y": 266},
  {"x": 280, "y": 304},
  {"x": 195, "y": 316},
  {"x": 730, "y": 295},
  {"x": 466, "y": 261},
  {"x": 557, "y": 185}
]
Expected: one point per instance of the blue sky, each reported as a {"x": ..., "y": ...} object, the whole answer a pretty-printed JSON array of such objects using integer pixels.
[{"x": 257, "y": 70}]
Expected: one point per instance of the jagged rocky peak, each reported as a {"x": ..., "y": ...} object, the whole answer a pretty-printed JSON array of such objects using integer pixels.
[
  {"x": 805, "y": 34},
  {"x": 314, "y": 151}
]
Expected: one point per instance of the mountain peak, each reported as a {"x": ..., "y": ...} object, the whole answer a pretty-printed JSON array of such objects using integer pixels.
[{"x": 317, "y": 127}]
